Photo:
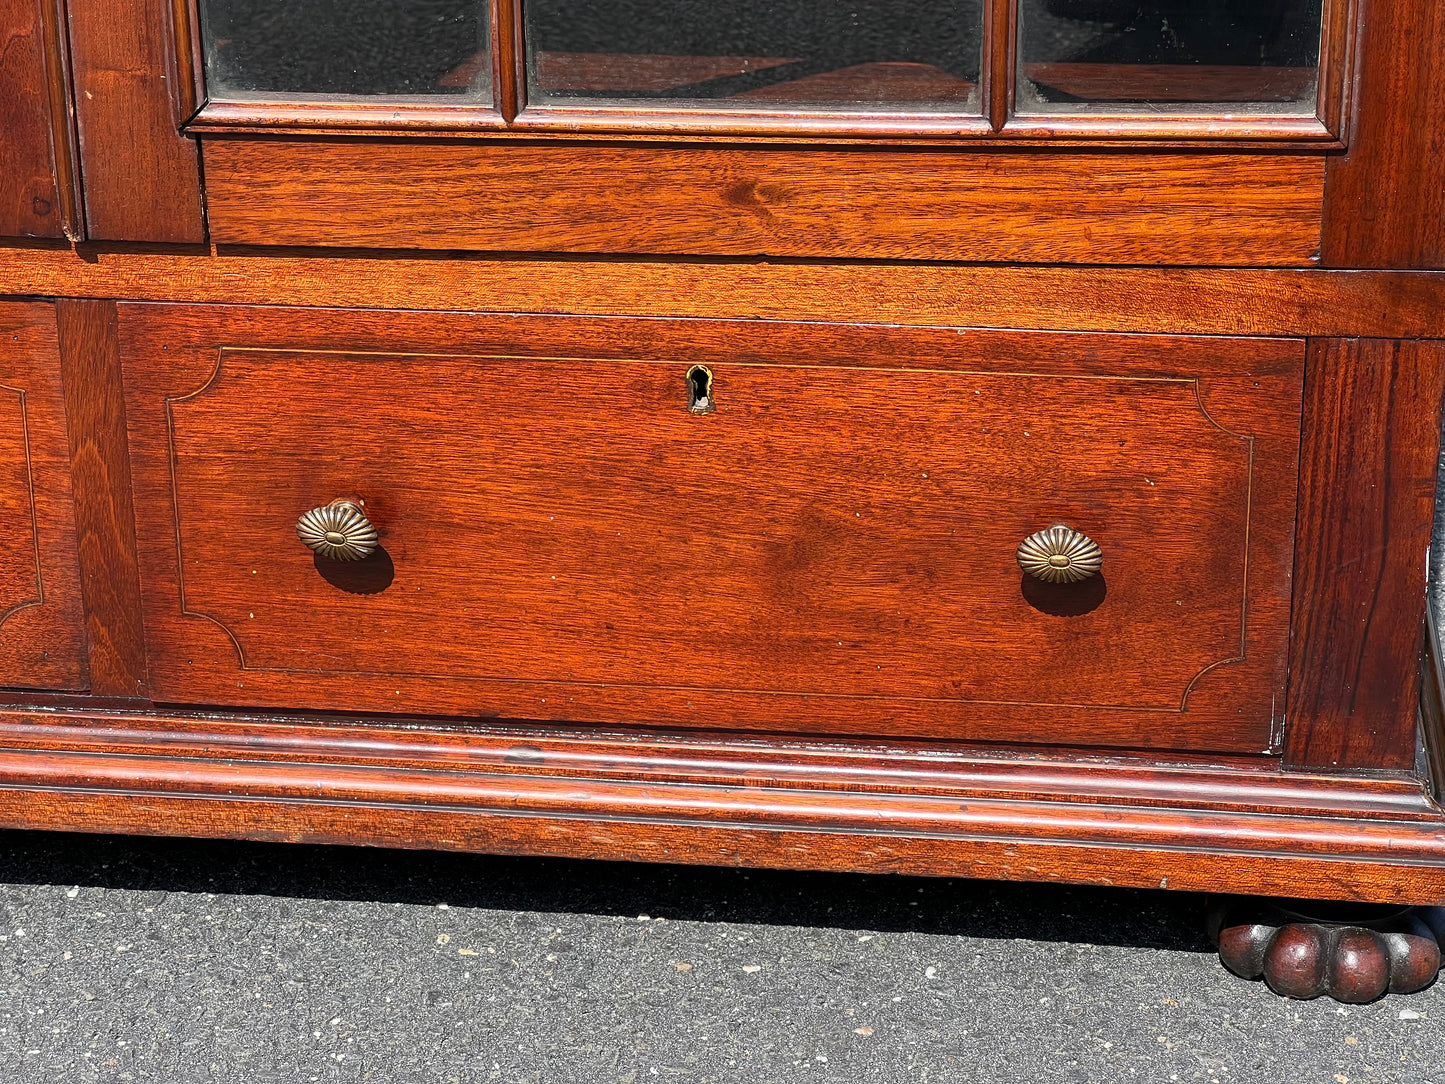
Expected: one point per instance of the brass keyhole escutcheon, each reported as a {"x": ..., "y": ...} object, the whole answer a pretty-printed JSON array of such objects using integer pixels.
[{"x": 699, "y": 390}]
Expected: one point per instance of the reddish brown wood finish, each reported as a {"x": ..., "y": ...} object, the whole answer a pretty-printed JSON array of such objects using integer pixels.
[
  {"x": 1048, "y": 208},
  {"x": 1000, "y": 35},
  {"x": 896, "y": 82},
  {"x": 65, "y": 149},
  {"x": 1354, "y": 958},
  {"x": 1338, "y": 59},
  {"x": 1385, "y": 199},
  {"x": 30, "y": 190},
  {"x": 1432, "y": 709},
  {"x": 1367, "y": 491},
  {"x": 831, "y": 550},
  {"x": 42, "y": 638},
  {"x": 817, "y": 129},
  {"x": 890, "y": 808},
  {"x": 1173, "y": 82},
  {"x": 104, "y": 516},
  {"x": 892, "y": 84},
  {"x": 509, "y": 78},
  {"x": 1213, "y": 301},
  {"x": 132, "y": 93}
]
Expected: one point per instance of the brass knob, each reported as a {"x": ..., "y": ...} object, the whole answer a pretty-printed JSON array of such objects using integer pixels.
[
  {"x": 1060, "y": 555},
  {"x": 339, "y": 530}
]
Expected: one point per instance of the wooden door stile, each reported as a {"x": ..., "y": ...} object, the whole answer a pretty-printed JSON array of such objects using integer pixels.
[{"x": 100, "y": 465}]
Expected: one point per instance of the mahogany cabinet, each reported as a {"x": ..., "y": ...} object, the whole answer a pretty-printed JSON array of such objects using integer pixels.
[{"x": 976, "y": 437}]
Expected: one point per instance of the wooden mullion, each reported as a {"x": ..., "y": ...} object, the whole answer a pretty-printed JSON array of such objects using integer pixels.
[
  {"x": 62, "y": 121},
  {"x": 1337, "y": 51},
  {"x": 509, "y": 81},
  {"x": 190, "y": 92},
  {"x": 1000, "y": 37}
]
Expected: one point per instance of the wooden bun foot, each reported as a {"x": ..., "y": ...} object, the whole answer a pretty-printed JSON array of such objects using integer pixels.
[{"x": 1352, "y": 952}]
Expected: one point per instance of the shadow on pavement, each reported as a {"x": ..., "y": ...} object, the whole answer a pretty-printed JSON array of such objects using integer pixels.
[{"x": 987, "y": 909}]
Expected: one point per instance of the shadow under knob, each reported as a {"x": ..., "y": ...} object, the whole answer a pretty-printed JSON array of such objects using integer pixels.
[
  {"x": 339, "y": 531},
  {"x": 1060, "y": 555}
]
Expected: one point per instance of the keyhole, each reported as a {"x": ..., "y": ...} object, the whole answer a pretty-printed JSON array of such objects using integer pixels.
[{"x": 699, "y": 390}]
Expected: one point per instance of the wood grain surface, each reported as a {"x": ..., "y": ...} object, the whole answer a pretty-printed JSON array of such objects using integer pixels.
[
  {"x": 105, "y": 518},
  {"x": 1043, "y": 208},
  {"x": 565, "y": 543},
  {"x": 42, "y": 636},
  {"x": 1385, "y": 198},
  {"x": 142, "y": 177},
  {"x": 831, "y": 550},
  {"x": 1432, "y": 708},
  {"x": 29, "y": 193},
  {"x": 875, "y": 807},
  {"x": 1367, "y": 498},
  {"x": 1210, "y": 301},
  {"x": 820, "y": 128}
]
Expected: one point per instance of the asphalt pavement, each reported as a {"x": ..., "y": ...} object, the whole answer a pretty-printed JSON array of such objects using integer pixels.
[{"x": 181, "y": 961}]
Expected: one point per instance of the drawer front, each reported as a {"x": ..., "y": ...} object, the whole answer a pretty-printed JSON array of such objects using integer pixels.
[
  {"x": 831, "y": 548},
  {"x": 42, "y": 635}
]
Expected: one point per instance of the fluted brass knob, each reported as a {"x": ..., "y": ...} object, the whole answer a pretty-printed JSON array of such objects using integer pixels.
[
  {"x": 1060, "y": 555},
  {"x": 339, "y": 531}
]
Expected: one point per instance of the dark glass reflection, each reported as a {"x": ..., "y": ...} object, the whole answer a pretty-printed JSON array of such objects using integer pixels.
[
  {"x": 310, "y": 48},
  {"x": 925, "y": 53},
  {"x": 1168, "y": 54}
]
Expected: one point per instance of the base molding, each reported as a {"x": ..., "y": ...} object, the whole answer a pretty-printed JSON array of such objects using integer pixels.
[{"x": 708, "y": 798}]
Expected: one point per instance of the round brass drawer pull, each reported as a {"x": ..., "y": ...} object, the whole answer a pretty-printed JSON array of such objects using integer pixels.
[
  {"x": 339, "y": 531},
  {"x": 1060, "y": 555}
]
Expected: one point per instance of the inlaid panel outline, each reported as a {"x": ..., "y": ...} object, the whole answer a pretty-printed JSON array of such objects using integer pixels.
[
  {"x": 1194, "y": 383},
  {"x": 39, "y": 599}
]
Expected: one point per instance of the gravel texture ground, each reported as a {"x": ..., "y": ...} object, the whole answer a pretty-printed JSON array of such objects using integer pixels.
[{"x": 179, "y": 961}]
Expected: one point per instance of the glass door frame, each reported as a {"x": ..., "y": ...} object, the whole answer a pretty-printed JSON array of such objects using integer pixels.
[{"x": 511, "y": 115}]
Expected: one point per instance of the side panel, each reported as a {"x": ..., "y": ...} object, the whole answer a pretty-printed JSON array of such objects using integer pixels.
[
  {"x": 42, "y": 639},
  {"x": 1366, "y": 503}
]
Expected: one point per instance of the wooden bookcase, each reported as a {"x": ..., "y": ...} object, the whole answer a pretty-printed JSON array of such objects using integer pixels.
[{"x": 787, "y": 626}]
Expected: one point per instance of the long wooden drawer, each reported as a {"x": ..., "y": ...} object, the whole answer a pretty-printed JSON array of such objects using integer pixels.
[
  {"x": 830, "y": 548},
  {"x": 42, "y": 630}
]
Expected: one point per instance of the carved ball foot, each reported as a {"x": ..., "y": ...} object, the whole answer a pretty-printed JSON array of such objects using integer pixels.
[{"x": 1352, "y": 952}]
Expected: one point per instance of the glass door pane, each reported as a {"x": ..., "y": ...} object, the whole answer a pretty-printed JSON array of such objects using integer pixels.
[
  {"x": 756, "y": 55},
  {"x": 1150, "y": 57},
  {"x": 326, "y": 49}
]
